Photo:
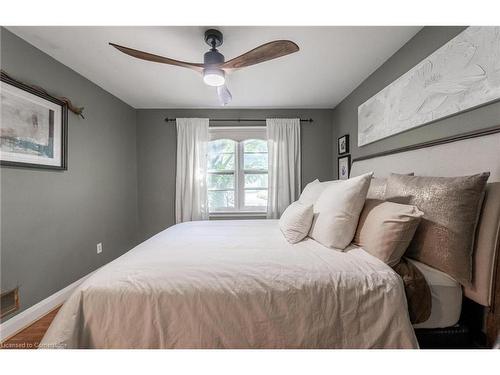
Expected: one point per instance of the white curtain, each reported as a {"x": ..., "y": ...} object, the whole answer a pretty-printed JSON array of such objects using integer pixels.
[
  {"x": 190, "y": 185},
  {"x": 283, "y": 137}
]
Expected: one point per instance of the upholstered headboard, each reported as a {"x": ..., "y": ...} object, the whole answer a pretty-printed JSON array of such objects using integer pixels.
[{"x": 459, "y": 156}]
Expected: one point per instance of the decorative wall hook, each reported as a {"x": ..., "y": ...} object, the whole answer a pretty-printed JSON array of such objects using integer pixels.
[{"x": 76, "y": 110}]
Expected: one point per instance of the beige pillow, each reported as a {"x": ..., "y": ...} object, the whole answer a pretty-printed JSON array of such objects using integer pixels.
[
  {"x": 451, "y": 205},
  {"x": 296, "y": 221},
  {"x": 313, "y": 190},
  {"x": 336, "y": 212},
  {"x": 385, "y": 229}
]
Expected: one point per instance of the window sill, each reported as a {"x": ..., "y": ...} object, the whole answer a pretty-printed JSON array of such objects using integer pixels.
[{"x": 238, "y": 215}]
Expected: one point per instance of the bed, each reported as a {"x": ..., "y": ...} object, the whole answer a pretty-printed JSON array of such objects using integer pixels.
[
  {"x": 236, "y": 284},
  {"x": 239, "y": 284},
  {"x": 478, "y": 323}
]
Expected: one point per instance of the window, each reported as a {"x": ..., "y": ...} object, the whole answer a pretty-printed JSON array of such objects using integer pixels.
[{"x": 237, "y": 175}]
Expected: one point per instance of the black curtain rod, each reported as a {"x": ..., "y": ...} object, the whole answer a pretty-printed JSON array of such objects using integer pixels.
[{"x": 239, "y": 119}]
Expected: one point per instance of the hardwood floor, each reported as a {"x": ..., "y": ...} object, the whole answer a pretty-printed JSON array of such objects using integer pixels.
[{"x": 30, "y": 337}]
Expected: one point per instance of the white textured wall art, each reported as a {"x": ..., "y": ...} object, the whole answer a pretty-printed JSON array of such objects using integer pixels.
[{"x": 461, "y": 75}]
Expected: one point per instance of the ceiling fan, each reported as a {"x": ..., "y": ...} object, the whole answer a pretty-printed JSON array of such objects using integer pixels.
[{"x": 214, "y": 66}]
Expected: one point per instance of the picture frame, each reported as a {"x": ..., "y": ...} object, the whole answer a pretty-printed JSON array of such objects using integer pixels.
[
  {"x": 344, "y": 167},
  {"x": 34, "y": 127},
  {"x": 432, "y": 91},
  {"x": 343, "y": 145}
]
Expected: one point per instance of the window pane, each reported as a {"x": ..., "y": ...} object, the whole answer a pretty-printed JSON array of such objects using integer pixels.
[
  {"x": 221, "y": 155},
  {"x": 221, "y": 162},
  {"x": 221, "y": 145},
  {"x": 255, "y": 161},
  {"x": 256, "y": 180},
  {"x": 255, "y": 145},
  {"x": 255, "y": 198},
  {"x": 218, "y": 200},
  {"x": 220, "y": 181}
]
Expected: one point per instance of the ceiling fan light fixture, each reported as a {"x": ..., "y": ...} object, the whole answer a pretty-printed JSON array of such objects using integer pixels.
[{"x": 214, "y": 76}]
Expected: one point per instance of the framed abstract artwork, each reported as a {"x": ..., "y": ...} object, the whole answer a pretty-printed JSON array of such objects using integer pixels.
[
  {"x": 461, "y": 75},
  {"x": 344, "y": 167},
  {"x": 33, "y": 131},
  {"x": 343, "y": 145}
]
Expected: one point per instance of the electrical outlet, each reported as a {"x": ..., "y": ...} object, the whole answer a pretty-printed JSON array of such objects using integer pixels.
[{"x": 99, "y": 248}]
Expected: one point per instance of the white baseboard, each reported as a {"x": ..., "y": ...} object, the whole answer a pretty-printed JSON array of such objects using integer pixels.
[{"x": 22, "y": 320}]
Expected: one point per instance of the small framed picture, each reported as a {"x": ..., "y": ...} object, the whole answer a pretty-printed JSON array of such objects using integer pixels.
[
  {"x": 33, "y": 131},
  {"x": 344, "y": 164},
  {"x": 343, "y": 145}
]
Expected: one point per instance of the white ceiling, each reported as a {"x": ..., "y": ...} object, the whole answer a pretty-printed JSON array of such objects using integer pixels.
[{"x": 331, "y": 62}]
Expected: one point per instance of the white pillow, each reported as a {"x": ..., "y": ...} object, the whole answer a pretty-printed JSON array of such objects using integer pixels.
[
  {"x": 296, "y": 221},
  {"x": 313, "y": 190},
  {"x": 337, "y": 210}
]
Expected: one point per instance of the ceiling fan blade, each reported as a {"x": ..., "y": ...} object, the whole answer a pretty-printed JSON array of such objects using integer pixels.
[
  {"x": 224, "y": 95},
  {"x": 265, "y": 52},
  {"x": 156, "y": 58}
]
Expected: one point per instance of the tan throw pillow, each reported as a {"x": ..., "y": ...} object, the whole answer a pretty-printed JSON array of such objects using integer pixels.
[
  {"x": 296, "y": 221},
  {"x": 336, "y": 212},
  {"x": 451, "y": 205},
  {"x": 385, "y": 229}
]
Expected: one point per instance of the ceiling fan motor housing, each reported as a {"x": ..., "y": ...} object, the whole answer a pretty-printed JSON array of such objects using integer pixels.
[{"x": 212, "y": 58}]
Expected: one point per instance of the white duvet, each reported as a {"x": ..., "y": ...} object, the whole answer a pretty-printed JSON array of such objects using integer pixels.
[{"x": 235, "y": 284}]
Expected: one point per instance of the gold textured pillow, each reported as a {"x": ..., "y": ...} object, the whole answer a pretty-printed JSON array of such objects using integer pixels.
[
  {"x": 377, "y": 188},
  {"x": 385, "y": 229},
  {"x": 451, "y": 206}
]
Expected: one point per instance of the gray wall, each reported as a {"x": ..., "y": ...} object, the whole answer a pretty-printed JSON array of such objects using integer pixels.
[
  {"x": 51, "y": 221},
  {"x": 419, "y": 47},
  {"x": 156, "y": 153}
]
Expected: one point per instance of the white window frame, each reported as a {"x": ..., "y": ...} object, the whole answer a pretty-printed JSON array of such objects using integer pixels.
[{"x": 239, "y": 135}]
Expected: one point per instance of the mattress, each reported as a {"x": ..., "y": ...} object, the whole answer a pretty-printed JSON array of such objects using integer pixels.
[
  {"x": 446, "y": 298},
  {"x": 236, "y": 284}
]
